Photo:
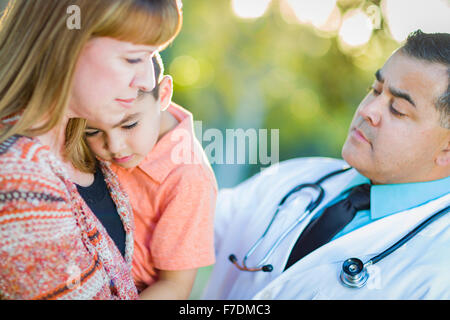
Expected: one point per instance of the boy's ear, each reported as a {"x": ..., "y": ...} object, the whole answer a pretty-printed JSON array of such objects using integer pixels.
[{"x": 165, "y": 92}]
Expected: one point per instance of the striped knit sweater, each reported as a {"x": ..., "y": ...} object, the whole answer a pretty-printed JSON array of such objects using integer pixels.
[{"x": 51, "y": 244}]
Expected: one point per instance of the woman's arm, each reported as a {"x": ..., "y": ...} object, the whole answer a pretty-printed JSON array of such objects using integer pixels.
[
  {"x": 42, "y": 255},
  {"x": 171, "y": 285}
]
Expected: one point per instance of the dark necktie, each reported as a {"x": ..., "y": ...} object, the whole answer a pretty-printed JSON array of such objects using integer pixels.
[{"x": 332, "y": 220}]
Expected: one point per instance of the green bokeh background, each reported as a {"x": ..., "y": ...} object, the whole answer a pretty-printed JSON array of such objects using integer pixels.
[{"x": 266, "y": 73}]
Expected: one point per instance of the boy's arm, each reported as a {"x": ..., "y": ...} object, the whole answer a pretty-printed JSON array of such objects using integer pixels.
[{"x": 171, "y": 285}]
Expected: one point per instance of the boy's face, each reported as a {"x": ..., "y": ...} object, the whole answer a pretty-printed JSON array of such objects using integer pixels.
[{"x": 128, "y": 142}]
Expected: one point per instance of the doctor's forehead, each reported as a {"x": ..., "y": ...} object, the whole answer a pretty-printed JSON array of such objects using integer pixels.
[{"x": 425, "y": 81}]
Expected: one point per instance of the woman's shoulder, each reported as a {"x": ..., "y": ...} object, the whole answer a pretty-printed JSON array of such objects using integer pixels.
[
  {"x": 21, "y": 149},
  {"x": 26, "y": 163}
]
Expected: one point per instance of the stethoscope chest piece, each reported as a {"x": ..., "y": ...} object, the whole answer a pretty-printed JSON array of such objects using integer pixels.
[{"x": 354, "y": 274}]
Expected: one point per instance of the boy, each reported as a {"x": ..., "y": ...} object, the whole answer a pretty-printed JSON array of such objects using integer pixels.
[{"x": 173, "y": 203}]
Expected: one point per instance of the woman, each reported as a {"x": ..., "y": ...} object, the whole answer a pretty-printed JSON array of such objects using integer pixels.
[{"x": 51, "y": 244}]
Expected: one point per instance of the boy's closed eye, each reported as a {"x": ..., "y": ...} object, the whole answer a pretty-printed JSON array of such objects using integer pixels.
[
  {"x": 130, "y": 126},
  {"x": 94, "y": 132}
]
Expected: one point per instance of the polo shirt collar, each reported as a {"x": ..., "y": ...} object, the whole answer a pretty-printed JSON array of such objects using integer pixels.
[{"x": 159, "y": 163}]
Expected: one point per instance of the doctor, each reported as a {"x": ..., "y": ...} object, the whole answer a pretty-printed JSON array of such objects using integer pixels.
[{"x": 399, "y": 149}]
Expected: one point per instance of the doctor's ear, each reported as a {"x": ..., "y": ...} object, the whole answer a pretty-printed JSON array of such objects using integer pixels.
[
  {"x": 443, "y": 158},
  {"x": 165, "y": 92}
]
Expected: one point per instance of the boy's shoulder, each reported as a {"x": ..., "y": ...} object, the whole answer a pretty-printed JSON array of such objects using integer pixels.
[{"x": 178, "y": 152}]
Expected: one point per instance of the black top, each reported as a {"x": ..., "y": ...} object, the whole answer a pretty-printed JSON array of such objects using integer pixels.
[{"x": 99, "y": 200}]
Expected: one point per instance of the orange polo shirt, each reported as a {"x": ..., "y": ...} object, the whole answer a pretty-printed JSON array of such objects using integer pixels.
[{"x": 173, "y": 193}]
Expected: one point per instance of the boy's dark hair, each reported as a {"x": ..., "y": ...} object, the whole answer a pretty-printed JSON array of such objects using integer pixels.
[
  {"x": 433, "y": 47},
  {"x": 158, "y": 66}
]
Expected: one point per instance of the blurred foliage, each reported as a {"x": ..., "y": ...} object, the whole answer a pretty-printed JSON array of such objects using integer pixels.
[{"x": 268, "y": 73}]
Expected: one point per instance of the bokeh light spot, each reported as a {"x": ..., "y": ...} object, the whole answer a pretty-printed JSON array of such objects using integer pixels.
[
  {"x": 405, "y": 16},
  {"x": 356, "y": 28},
  {"x": 250, "y": 9},
  {"x": 185, "y": 70}
]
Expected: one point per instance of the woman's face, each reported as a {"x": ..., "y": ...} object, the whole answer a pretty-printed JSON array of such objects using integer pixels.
[{"x": 108, "y": 75}]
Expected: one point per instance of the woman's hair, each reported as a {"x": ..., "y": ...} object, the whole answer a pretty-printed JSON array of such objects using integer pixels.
[{"x": 38, "y": 55}]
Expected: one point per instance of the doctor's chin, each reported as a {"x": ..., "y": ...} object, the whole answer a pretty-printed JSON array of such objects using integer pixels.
[{"x": 372, "y": 225}]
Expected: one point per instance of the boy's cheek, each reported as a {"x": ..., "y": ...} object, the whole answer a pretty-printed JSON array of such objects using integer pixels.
[{"x": 99, "y": 152}]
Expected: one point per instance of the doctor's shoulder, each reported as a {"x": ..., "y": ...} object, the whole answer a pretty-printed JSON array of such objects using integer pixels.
[
  {"x": 271, "y": 184},
  {"x": 426, "y": 273},
  {"x": 439, "y": 259},
  {"x": 275, "y": 180},
  {"x": 282, "y": 176}
]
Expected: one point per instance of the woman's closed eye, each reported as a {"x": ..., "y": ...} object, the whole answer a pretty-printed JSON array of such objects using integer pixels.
[
  {"x": 134, "y": 61},
  {"x": 91, "y": 133}
]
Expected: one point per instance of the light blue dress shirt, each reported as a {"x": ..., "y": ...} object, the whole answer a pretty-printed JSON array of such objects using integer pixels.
[{"x": 389, "y": 199}]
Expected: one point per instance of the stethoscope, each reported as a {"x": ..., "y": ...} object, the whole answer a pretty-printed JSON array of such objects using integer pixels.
[{"x": 354, "y": 272}]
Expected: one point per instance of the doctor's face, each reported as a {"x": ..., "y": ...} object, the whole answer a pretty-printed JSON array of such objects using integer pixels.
[{"x": 395, "y": 135}]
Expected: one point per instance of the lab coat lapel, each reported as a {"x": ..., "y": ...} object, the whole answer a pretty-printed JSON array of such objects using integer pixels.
[
  {"x": 261, "y": 219},
  {"x": 333, "y": 188},
  {"x": 287, "y": 216}
]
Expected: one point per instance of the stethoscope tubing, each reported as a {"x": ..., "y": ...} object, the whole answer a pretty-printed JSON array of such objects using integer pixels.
[
  {"x": 309, "y": 209},
  {"x": 408, "y": 236}
]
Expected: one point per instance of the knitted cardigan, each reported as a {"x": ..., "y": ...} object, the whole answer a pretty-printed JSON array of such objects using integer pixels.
[{"x": 51, "y": 244}]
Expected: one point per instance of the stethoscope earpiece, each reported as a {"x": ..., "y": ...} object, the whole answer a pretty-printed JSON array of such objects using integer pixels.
[
  {"x": 267, "y": 268},
  {"x": 234, "y": 260}
]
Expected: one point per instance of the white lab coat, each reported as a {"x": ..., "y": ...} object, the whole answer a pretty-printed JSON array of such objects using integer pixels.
[{"x": 418, "y": 270}]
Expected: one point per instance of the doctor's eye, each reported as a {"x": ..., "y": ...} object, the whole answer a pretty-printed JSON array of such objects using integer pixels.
[
  {"x": 373, "y": 90},
  {"x": 395, "y": 112}
]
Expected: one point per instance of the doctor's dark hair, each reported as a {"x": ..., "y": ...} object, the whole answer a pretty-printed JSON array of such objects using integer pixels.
[{"x": 435, "y": 48}]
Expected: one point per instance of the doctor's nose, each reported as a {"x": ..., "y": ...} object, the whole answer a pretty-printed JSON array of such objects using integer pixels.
[
  {"x": 144, "y": 78},
  {"x": 370, "y": 110}
]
